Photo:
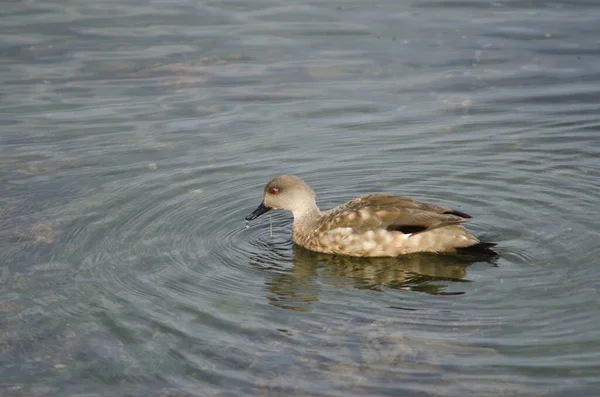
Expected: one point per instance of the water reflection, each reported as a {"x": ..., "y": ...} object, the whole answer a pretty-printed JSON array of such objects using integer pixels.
[{"x": 299, "y": 286}]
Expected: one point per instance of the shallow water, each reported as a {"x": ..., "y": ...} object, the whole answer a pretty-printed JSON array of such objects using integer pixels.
[{"x": 136, "y": 136}]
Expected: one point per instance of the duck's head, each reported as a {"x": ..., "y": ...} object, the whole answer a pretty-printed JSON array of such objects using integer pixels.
[{"x": 286, "y": 192}]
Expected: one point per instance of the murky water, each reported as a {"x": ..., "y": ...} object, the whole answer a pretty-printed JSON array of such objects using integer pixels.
[{"x": 135, "y": 137}]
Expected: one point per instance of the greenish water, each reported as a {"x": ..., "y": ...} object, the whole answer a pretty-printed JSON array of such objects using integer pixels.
[{"x": 136, "y": 136}]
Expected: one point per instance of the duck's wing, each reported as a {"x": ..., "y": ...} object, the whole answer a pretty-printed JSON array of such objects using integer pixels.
[{"x": 391, "y": 212}]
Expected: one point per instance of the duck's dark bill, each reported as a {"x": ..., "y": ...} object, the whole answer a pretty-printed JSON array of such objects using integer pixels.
[{"x": 262, "y": 208}]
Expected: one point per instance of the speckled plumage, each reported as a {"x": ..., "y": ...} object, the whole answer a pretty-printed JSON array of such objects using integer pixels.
[{"x": 375, "y": 225}]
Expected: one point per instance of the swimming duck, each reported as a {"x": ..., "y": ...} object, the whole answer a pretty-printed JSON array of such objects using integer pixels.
[{"x": 376, "y": 225}]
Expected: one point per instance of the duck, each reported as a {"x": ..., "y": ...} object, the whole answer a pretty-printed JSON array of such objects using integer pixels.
[{"x": 375, "y": 225}]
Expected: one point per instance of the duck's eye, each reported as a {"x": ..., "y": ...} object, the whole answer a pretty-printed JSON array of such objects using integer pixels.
[{"x": 274, "y": 190}]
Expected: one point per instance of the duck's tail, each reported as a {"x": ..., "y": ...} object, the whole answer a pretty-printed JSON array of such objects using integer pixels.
[{"x": 479, "y": 249}]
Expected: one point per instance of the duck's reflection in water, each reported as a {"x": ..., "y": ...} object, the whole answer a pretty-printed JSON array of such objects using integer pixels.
[{"x": 297, "y": 287}]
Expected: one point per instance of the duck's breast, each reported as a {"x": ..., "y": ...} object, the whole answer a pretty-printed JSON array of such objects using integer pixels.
[{"x": 348, "y": 241}]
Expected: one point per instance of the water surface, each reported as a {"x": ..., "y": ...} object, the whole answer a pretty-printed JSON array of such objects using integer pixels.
[{"x": 136, "y": 136}]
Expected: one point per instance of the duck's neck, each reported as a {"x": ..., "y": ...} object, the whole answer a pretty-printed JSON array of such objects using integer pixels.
[{"x": 305, "y": 216}]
